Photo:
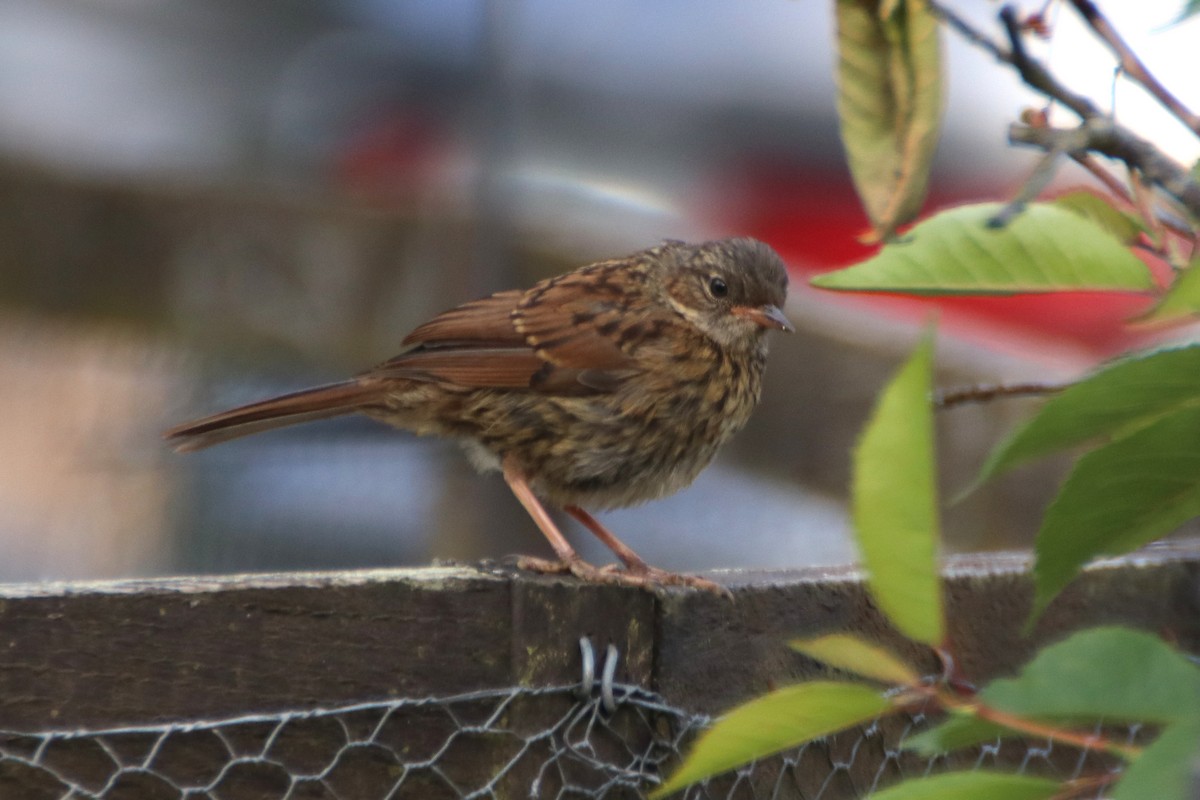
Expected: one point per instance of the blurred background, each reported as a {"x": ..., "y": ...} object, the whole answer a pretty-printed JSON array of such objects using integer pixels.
[{"x": 205, "y": 203}]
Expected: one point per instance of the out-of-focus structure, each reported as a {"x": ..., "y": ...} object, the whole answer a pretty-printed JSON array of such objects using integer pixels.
[{"x": 204, "y": 203}]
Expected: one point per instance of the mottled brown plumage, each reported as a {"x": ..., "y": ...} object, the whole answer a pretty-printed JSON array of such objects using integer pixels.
[{"x": 604, "y": 387}]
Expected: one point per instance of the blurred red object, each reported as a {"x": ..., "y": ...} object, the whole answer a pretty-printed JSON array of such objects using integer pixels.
[
  {"x": 814, "y": 219},
  {"x": 394, "y": 160}
]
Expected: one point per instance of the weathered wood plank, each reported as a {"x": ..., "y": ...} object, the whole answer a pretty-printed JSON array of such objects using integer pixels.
[
  {"x": 144, "y": 651},
  {"x": 712, "y": 655},
  {"x": 125, "y": 653},
  {"x": 135, "y": 653}
]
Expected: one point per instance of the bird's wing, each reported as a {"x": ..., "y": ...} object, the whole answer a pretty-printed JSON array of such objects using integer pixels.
[
  {"x": 554, "y": 338},
  {"x": 479, "y": 323},
  {"x": 575, "y": 321}
]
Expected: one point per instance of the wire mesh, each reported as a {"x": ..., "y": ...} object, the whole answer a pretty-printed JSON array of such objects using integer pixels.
[{"x": 592, "y": 739}]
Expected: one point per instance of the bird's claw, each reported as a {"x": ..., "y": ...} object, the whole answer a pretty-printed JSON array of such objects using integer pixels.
[
  {"x": 653, "y": 576},
  {"x": 641, "y": 576},
  {"x": 543, "y": 566}
]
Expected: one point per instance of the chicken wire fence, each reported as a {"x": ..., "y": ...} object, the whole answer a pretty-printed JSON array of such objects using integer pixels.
[{"x": 593, "y": 739}]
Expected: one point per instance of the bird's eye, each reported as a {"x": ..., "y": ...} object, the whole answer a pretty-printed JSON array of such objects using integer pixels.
[{"x": 717, "y": 287}]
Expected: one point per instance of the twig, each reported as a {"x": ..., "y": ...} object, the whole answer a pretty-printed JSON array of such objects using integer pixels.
[
  {"x": 1038, "y": 180},
  {"x": 953, "y": 676},
  {"x": 968, "y": 31},
  {"x": 948, "y": 398},
  {"x": 1036, "y": 76},
  {"x": 1102, "y": 135},
  {"x": 1132, "y": 66},
  {"x": 1087, "y": 785},
  {"x": 1032, "y": 72},
  {"x": 1029, "y": 727},
  {"x": 1103, "y": 175},
  {"x": 1099, "y": 133},
  {"x": 972, "y": 706}
]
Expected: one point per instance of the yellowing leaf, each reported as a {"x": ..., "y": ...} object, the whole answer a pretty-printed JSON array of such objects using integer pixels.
[
  {"x": 889, "y": 104},
  {"x": 863, "y": 658}
]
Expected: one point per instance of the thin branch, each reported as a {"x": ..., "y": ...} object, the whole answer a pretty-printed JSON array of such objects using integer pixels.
[
  {"x": 1038, "y": 180},
  {"x": 948, "y": 398},
  {"x": 1099, "y": 132},
  {"x": 1029, "y": 727},
  {"x": 968, "y": 31},
  {"x": 1103, "y": 175},
  {"x": 1087, "y": 786},
  {"x": 1102, "y": 135},
  {"x": 1034, "y": 73},
  {"x": 1132, "y": 66},
  {"x": 1015, "y": 722}
]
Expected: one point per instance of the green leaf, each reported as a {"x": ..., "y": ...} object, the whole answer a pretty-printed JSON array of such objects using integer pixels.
[
  {"x": 889, "y": 103},
  {"x": 954, "y": 733},
  {"x": 977, "y": 785},
  {"x": 1044, "y": 249},
  {"x": 1166, "y": 770},
  {"x": 1125, "y": 227},
  {"x": 1107, "y": 673},
  {"x": 777, "y": 721},
  {"x": 1190, "y": 9},
  {"x": 1118, "y": 498},
  {"x": 894, "y": 501},
  {"x": 1113, "y": 401},
  {"x": 863, "y": 658},
  {"x": 1182, "y": 298}
]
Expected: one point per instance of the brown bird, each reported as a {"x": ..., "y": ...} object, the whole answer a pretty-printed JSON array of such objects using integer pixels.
[{"x": 604, "y": 387}]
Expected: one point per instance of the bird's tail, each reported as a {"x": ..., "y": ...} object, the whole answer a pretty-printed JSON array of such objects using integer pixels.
[{"x": 320, "y": 402}]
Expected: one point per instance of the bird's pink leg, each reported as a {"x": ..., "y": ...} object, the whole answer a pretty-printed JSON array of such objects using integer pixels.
[
  {"x": 638, "y": 572},
  {"x": 634, "y": 563},
  {"x": 567, "y": 556}
]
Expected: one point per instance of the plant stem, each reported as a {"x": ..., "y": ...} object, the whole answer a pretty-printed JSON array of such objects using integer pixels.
[
  {"x": 983, "y": 393},
  {"x": 1132, "y": 66},
  {"x": 1029, "y": 727}
]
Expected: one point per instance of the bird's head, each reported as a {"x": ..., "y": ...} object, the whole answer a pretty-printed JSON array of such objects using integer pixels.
[{"x": 731, "y": 289}]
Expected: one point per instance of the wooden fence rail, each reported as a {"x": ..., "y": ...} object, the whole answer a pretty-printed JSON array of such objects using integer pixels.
[{"x": 150, "y": 654}]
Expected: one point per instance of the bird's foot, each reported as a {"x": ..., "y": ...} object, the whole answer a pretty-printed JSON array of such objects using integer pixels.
[
  {"x": 544, "y": 566},
  {"x": 648, "y": 576},
  {"x": 641, "y": 576}
]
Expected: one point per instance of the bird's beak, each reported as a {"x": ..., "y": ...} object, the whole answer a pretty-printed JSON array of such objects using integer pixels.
[{"x": 767, "y": 316}]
